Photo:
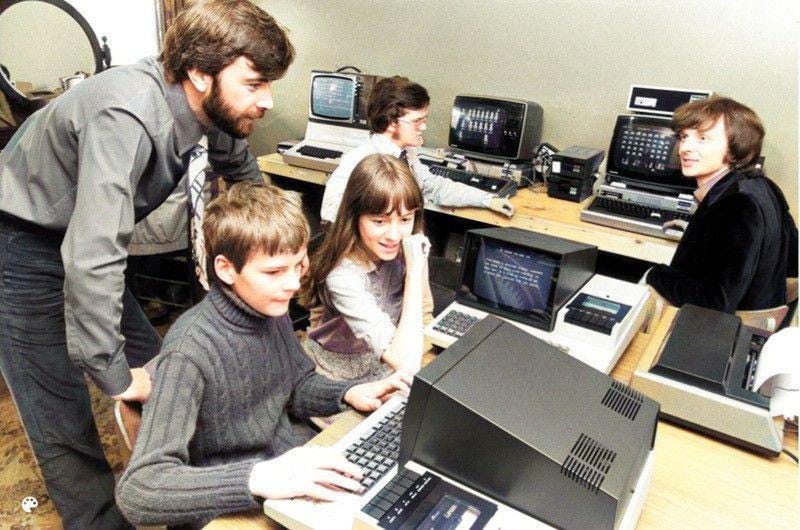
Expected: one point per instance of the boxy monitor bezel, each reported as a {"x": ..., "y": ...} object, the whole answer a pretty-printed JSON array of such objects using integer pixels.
[
  {"x": 543, "y": 319},
  {"x": 511, "y": 141},
  {"x": 353, "y": 111},
  {"x": 670, "y": 180}
]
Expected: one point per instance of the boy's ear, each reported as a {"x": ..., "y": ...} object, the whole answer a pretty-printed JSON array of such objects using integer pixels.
[
  {"x": 225, "y": 269},
  {"x": 392, "y": 127}
]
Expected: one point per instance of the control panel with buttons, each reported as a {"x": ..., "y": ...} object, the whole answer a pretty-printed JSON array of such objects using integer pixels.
[{"x": 595, "y": 313}]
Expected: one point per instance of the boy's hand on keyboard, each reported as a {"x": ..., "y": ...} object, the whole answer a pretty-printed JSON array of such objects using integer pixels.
[
  {"x": 317, "y": 472},
  {"x": 501, "y": 205},
  {"x": 367, "y": 397}
]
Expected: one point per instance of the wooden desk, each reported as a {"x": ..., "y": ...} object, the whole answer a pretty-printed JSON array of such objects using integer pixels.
[
  {"x": 534, "y": 211},
  {"x": 698, "y": 482}
]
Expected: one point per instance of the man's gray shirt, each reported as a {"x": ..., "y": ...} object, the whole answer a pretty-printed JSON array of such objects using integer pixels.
[{"x": 94, "y": 161}]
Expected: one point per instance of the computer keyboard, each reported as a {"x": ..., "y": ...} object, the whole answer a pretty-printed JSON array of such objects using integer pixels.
[
  {"x": 499, "y": 186},
  {"x": 318, "y": 152},
  {"x": 377, "y": 449},
  {"x": 455, "y": 323},
  {"x": 648, "y": 214},
  {"x": 753, "y": 356}
]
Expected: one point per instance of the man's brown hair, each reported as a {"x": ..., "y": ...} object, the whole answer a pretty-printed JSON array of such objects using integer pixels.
[
  {"x": 743, "y": 127},
  {"x": 392, "y": 97},
  {"x": 211, "y": 34},
  {"x": 252, "y": 216}
]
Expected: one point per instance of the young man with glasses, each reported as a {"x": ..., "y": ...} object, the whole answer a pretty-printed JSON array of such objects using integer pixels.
[{"x": 398, "y": 114}]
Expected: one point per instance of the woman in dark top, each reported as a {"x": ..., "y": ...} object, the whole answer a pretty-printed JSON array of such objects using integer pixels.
[{"x": 741, "y": 243}]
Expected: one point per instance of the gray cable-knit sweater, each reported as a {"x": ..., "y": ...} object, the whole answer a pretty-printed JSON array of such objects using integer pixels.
[{"x": 225, "y": 383}]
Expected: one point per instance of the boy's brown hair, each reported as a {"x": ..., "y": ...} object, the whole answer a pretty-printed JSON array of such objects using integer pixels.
[
  {"x": 211, "y": 34},
  {"x": 743, "y": 127},
  {"x": 392, "y": 97},
  {"x": 252, "y": 216}
]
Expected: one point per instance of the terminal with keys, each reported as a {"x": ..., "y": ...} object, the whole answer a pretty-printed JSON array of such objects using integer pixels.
[
  {"x": 494, "y": 428},
  {"x": 547, "y": 286},
  {"x": 337, "y": 119},
  {"x": 644, "y": 186}
]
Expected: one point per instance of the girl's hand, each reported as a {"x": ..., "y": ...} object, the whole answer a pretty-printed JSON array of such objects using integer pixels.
[{"x": 415, "y": 250}]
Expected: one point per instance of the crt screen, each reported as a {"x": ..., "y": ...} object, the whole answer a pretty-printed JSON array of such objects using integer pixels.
[
  {"x": 519, "y": 279},
  {"x": 478, "y": 126},
  {"x": 332, "y": 97}
]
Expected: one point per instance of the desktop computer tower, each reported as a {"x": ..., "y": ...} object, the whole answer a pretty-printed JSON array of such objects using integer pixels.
[{"x": 508, "y": 415}]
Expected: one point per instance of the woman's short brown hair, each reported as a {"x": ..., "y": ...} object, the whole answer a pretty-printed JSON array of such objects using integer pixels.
[
  {"x": 211, "y": 34},
  {"x": 742, "y": 125},
  {"x": 252, "y": 216},
  {"x": 392, "y": 97}
]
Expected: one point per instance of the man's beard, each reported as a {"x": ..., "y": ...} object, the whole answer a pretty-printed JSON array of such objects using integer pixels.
[{"x": 224, "y": 117}]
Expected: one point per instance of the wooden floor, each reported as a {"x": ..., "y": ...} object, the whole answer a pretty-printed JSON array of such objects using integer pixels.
[{"x": 19, "y": 475}]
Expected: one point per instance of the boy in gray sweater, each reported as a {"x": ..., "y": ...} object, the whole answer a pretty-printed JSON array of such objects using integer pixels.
[{"x": 217, "y": 433}]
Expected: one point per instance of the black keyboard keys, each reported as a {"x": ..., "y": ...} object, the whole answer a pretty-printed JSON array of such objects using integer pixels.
[{"x": 318, "y": 152}]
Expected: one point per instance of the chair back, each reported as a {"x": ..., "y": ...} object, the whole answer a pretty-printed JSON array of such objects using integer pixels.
[
  {"x": 128, "y": 415},
  {"x": 764, "y": 319}
]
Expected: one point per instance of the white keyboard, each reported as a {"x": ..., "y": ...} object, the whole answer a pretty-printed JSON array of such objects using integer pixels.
[{"x": 383, "y": 425}]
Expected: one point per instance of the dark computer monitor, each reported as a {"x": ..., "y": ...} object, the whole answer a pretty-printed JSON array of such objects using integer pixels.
[
  {"x": 644, "y": 154},
  {"x": 340, "y": 98},
  {"x": 495, "y": 129},
  {"x": 522, "y": 275},
  {"x": 512, "y": 417}
]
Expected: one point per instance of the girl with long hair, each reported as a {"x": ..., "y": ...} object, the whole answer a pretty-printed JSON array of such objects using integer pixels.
[{"x": 368, "y": 281}]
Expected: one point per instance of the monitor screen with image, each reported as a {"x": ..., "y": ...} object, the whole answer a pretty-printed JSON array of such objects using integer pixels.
[
  {"x": 644, "y": 154},
  {"x": 522, "y": 275},
  {"x": 334, "y": 97},
  {"x": 513, "y": 277},
  {"x": 340, "y": 98},
  {"x": 494, "y": 128}
]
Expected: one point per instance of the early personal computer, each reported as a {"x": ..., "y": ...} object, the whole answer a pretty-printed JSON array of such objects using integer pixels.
[
  {"x": 337, "y": 119},
  {"x": 547, "y": 286},
  {"x": 495, "y": 129},
  {"x": 501, "y": 430},
  {"x": 491, "y": 143},
  {"x": 703, "y": 373},
  {"x": 644, "y": 186}
]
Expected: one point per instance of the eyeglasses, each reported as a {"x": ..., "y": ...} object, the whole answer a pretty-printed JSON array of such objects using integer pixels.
[{"x": 418, "y": 122}]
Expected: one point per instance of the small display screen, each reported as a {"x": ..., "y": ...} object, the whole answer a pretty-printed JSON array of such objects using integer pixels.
[
  {"x": 491, "y": 127},
  {"x": 599, "y": 304},
  {"x": 451, "y": 513},
  {"x": 479, "y": 125},
  {"x": 515, "y": 278},
  {"x": 644, "y": 151},
  {"x": 333, "y": 97}
]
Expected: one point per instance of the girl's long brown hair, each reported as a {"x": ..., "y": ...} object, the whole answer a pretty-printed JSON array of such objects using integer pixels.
[{"x": 379, "y": 184}]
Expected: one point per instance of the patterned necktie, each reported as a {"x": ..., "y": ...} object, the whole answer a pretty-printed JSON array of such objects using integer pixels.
[{"x": 195, "y": 179}]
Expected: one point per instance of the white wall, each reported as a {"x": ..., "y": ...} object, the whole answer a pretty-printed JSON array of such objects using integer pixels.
[
  {"x": 130, "y": 26},
  {"x": 576, "y": 58}
]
